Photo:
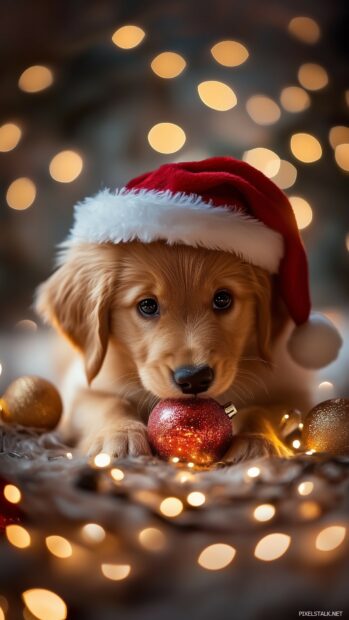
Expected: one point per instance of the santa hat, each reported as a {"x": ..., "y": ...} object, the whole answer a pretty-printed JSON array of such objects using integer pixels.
[{"x": 220, "y": 204}]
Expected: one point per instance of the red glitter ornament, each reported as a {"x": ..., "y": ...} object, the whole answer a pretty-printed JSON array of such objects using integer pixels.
[{"x": 195, "y": 429}]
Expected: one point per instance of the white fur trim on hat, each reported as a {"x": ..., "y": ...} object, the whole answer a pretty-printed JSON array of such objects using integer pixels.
[
  {"x": 149, "y": 215},
  {"x": 316, "y": 343}
]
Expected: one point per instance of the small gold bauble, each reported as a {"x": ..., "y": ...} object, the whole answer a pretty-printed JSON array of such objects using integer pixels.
[
  {"x": 31, "y": 401},
  {"x": 326, "y": 427}
]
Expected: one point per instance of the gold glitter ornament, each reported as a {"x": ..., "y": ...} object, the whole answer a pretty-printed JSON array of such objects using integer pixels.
[
  {"x": 326, "y": 427},
  {"x": 31, "y": 401}
]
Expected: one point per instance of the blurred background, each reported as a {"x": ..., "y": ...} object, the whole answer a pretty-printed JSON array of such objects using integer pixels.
[{"x": 95, "y": 92}]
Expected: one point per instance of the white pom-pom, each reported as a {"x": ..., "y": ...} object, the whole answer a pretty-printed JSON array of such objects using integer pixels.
[{"x": 316, "y": 343}]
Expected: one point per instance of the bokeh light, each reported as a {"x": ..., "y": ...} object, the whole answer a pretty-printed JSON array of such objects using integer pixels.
[
  {"x": 229, "y": 53},
  {"x": 18, "y": 536},
  {"x": 302, "y": 211},
  {"x": 305, "y": 29},
  {"x": 312, "y": 76},
  {"x": 305, "y": 147},
  {"x": 117, "y": 474},
  {"x": 309, "y": 510},
  {"x": 168, "y": 65},
  {"x": 286, "y": 176},
  {"x": 10, "y": 135},
  {"x": 152, "y": 538},
  {"x": 294, "y": 99},
  {"x": 272, "y": 547},
  {"x": 12, "y": 493},
  {"x": 264, "y": 512},
  {"x": 253, "y": 472},
  {"x": 342, "y": 156},
  {"x": 59, "y": 546},
  {"x": 263, "y": 110},
  {"x": 306, "y": 487},
  {"x": 338, "y": 135},
  {"x": 116, "y": 572},
  {"x": 216, "y": 556},
  {"x": 217, "y": 95},
  {"x": 196, "y": 498},
  {"x": 66, "y": 166},
  {"x": 128, "y": 37},
  {"x": 171, "y": 506},
  {"x": 44, "y": 604},
  {"x": 166, "y": 138},
  {"x": 102, "y": 460},
  {"x": 93, "y": 532},
  {"x": 35, "y": 78},
  {"x": 330, "y": 538},
  {"x": 264, "y": 160},
  {"x": 21, "y": 194}
]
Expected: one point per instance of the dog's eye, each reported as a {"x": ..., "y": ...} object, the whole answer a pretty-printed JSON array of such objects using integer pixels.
[
  {"x": 148, "y": 307},
  {"x": 222, "y": 300}
]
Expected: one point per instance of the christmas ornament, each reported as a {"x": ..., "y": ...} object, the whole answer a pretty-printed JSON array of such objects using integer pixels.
[
  {"x": 224, "y": 204},
  {"x": 326, "y": 427},
  {"x": 31, "y": 401},
  {"x": 195, "y": 429}
]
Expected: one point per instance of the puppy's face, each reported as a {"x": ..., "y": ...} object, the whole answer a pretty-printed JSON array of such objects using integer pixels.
[{"x": 183, "y": 316}]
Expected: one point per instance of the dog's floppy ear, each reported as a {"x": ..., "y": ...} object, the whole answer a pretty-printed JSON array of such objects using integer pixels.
[
  {"x": 263, "y": 297},
  {"x": 271, "y": 313},
  {"x": 76, "y": 300}
]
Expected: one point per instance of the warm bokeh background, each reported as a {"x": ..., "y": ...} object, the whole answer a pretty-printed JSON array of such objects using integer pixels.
[{"x": 100, "y": 91}]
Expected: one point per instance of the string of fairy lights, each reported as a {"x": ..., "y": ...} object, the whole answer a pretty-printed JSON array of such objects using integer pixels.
[{"x": 324, "y": 544}]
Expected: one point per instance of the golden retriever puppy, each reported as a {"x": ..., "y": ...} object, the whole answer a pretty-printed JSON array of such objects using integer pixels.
[{"x": 152, "y": 321}]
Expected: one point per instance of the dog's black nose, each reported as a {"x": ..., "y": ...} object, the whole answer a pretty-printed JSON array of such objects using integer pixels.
[{"x": 193, "y": 379}]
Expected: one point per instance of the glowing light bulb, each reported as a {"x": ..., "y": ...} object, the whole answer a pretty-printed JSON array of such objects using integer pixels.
[
  {"x": 264, "y": 512},
  {"x": 116, "y": 572},
  {"x": 66, "y": 166},
  {"x": 59, "y": 546},
  {"x": 253, "y": 472},
  {"x": 305, "y": 488},
  {"x": 10, "y": 135},
  {"x": 195, "y": 498},
  {"x": 296, "y": 444},
  {"x": 93, "y": 532},
  {"x": 216, "y": 556},
  {"x": 152, "y": 538},
  {"x": 35, "y": 78},
  {"x": 217, "y": 95},
  {"x": 171, "y": 507},
  {"x": 305, "y": 147},
  {"x": 18, "y": 536},
  {"x": 168, "y": 65},
  {"x": 294, "y": 99},
  {"x": 229, "y": 53},
  {"x": 21, "y": 194},
  {"x": 12, "y": 494},
  {"x": 263, "y": 110},
  {"x": 312, "y": 76},
  {"x": 263, "y": 159},
  {"x": 330, "y": 538},
  {"x": 102, "y": 460},
  {"x": 305, "y": 29},
  {"x": 272, "y": 547},
  {"x": 128, "y": 37},
  {"x": 342, "y": 156},
  {"x": 166, "y": 138},
  {"x": 302, "y": 211},
  {"x": 44, "y": 604},
  {"x": 117, "y": 474}
]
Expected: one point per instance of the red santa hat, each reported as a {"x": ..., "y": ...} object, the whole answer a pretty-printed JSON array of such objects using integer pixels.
[{"x": 224, "y": 204}]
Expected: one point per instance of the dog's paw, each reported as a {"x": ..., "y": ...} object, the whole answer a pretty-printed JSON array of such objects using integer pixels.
[
  {"x": 245, "y": 447},
  {"x": 117, "y": 439}
]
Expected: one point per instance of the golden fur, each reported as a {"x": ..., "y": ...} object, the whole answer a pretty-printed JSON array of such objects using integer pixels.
[{"x": 92, "y": 299}]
